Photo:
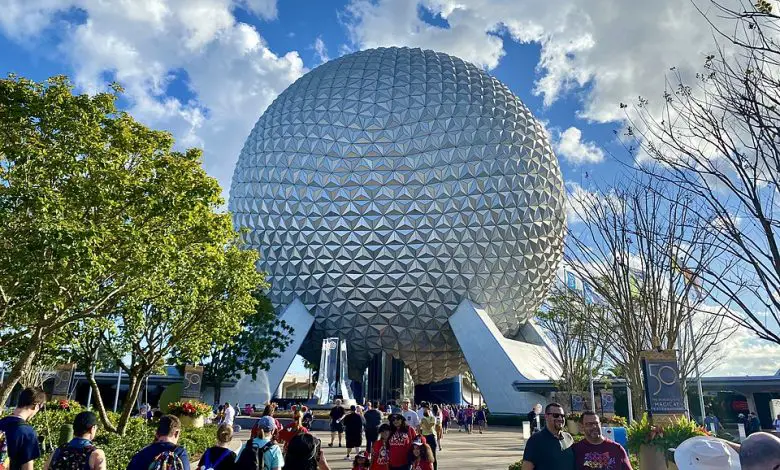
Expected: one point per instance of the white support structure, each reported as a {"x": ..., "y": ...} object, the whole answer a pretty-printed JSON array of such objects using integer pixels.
[
  {"x": 498, "y": 362},
  {"x": 261, "y": 390}
]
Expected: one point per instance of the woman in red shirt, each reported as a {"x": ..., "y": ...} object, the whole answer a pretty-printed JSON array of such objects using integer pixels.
[
  {"x": 400, "y": 442},
  {"x": 295, "y": 428},
  {"x": 422, "y": 455},
  {"x": 379, "y": 453}
]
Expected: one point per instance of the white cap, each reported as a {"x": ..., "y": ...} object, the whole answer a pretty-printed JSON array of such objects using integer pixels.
[{"x": 705, "y": 453}]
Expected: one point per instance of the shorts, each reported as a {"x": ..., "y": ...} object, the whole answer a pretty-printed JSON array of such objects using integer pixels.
[{"x": 336, "y": 426}]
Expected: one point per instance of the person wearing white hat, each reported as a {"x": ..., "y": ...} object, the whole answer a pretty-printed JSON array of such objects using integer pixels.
[{"x": 705, "y": 453}]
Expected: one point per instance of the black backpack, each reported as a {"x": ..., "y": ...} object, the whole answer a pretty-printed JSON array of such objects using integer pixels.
[
  {"x": 251, "y": 457},
  {"x": 72, "y": 458},
  {"x": 168, "y": 460}
]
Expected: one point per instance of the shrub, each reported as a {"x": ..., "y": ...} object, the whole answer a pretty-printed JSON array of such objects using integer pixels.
[
  {"x": 119, "y": 449},
  {"x": 516, "y": 466},
  {"x": 63, "y": 405},
  {"x": 662, "y": 436},
  {"x": 615, "y": 421}
]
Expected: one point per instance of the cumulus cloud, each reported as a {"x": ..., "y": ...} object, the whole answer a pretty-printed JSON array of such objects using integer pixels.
[
  {"x": 571, "y": 147},
  {"x": 745, "y": 354},
  {"x": 145, "y": 45},
  {"x": 619, "y": 49}
]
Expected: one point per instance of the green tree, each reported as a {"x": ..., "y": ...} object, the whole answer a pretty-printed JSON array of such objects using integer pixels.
[
  {"x": 261, "y": 338},
  {"x": 100, "y": 218}
]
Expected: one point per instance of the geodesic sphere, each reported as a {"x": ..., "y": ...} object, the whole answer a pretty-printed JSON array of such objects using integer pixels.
[{"x": 384, "y": 187}]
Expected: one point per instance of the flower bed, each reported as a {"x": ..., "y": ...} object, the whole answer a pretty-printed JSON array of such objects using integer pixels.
[
  {"x": 191, "y": 409},
  {"x": 661, "y": 437}
]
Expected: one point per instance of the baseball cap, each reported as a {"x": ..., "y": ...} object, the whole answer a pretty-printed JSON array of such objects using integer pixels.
[
  {"x": 417, "y": 441},
  {"x": 362, "y": 454},
  {"x": 266, "y": 423}
]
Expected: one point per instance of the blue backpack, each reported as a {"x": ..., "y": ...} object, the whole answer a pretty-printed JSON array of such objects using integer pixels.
[{"x": 208, "y": 465}]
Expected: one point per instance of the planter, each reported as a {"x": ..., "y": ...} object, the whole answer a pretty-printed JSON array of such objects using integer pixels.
[
  {"x": 651, "y": 458},
  {"x": 573, "y": 427},
  {"x": 191, "y": 422}
]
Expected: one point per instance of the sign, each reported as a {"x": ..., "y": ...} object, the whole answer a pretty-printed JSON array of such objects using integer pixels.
[
  {"x": 607, "y": 402},
  {"x": 662, "y": 384},
  {"x": 578, "y": 402},
  {"x": 63, "y": 375},
  {"x": 193, "y": 376}
]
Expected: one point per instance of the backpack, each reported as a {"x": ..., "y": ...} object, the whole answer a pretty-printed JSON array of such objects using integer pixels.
[
  {"x": 168, "y": 460},
  {"x": 72, "y": 458},
  {"x": 207, "y": 465},
  {"x": 251, "y": 458}
]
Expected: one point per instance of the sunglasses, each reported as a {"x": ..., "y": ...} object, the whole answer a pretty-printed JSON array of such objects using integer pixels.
[{"x": 556, "y": 415}]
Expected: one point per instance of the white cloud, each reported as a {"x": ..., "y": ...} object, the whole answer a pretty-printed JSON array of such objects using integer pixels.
[
  {"x": 321, "y": 50},
  {"x": 147, "y": 44},
  {"x": 745, "y": 354},
  {"x": 620, "y": 49},
  {"x": 571, "y": 147}
]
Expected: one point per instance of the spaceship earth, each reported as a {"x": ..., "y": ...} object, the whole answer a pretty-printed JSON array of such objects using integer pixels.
[{"x": 384, "y": 187}]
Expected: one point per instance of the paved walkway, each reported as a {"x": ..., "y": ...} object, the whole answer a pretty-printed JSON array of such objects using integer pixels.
[{"x": 496, "y": 449}]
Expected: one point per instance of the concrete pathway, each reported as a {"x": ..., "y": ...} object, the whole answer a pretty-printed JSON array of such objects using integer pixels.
[{"x": 496, "y": 449}]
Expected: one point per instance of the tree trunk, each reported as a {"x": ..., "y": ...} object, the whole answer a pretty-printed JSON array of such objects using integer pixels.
[
  {"x": 24, "y": 363},
  {"x": 132, "y": 395},
  {"x": 217, "y": 393},
  {"x": 98, "y": 398}
]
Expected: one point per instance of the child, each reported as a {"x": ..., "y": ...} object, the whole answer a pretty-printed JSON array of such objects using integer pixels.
[
  {"x": 422, "y": 455},
  {"x": 361, "y": 461},
  {"x": 380, "y": 458}
]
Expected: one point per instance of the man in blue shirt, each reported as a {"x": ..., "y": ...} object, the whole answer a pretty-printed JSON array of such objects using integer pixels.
[
  {"x": 21, "y": 440},
  {"x": 164, "y": 446},
  {"x": 272, "y": 456},
  {"x": 80, "y": 448}
]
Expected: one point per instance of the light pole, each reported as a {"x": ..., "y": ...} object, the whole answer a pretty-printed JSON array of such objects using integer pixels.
[{"x": 118, "y": 384}]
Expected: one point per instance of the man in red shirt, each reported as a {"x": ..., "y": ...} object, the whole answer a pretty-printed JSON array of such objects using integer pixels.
[{"x": 596, "y": 452}]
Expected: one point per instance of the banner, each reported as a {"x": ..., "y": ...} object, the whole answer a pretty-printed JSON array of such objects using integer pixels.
[
  {"x": 63, "y": 375},
  {"x": 571, "y": 281},
  {"x": 662, "y": 385},
  {"x": 578, "y": 402},
  {"x": 193, "y": 377},
  {"x": 607, "y": 402}
]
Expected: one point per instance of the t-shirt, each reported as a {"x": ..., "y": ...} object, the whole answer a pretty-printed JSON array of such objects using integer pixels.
[
  {"x": 400, "y": 444},
  {"x": 230, "y": 414},
  {"x": 286, "y": 434},
  {"x": 373, "y": 419},
  {"x": 427, "y": 423},
  {"x": 547, "y": 452},
  {"x": 146, "y": 456},
  {"x": 411, "y": 418},
  {"x": 379, "y": 457},
  {"x": 272, "y": 457},
  {"x": 609, "y": 455},
  {"x": 21, "y": 439},
  {"x": 214, "y": 454},
  {"x": 422, "y": 465},
  {"x": 337, "y": 412}
]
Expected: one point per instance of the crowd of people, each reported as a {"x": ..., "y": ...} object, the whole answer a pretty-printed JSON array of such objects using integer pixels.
[{"x": 409, "y": 440}]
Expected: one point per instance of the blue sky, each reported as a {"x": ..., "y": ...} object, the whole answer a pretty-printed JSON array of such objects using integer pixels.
[{"x": 206, "y": 69}]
